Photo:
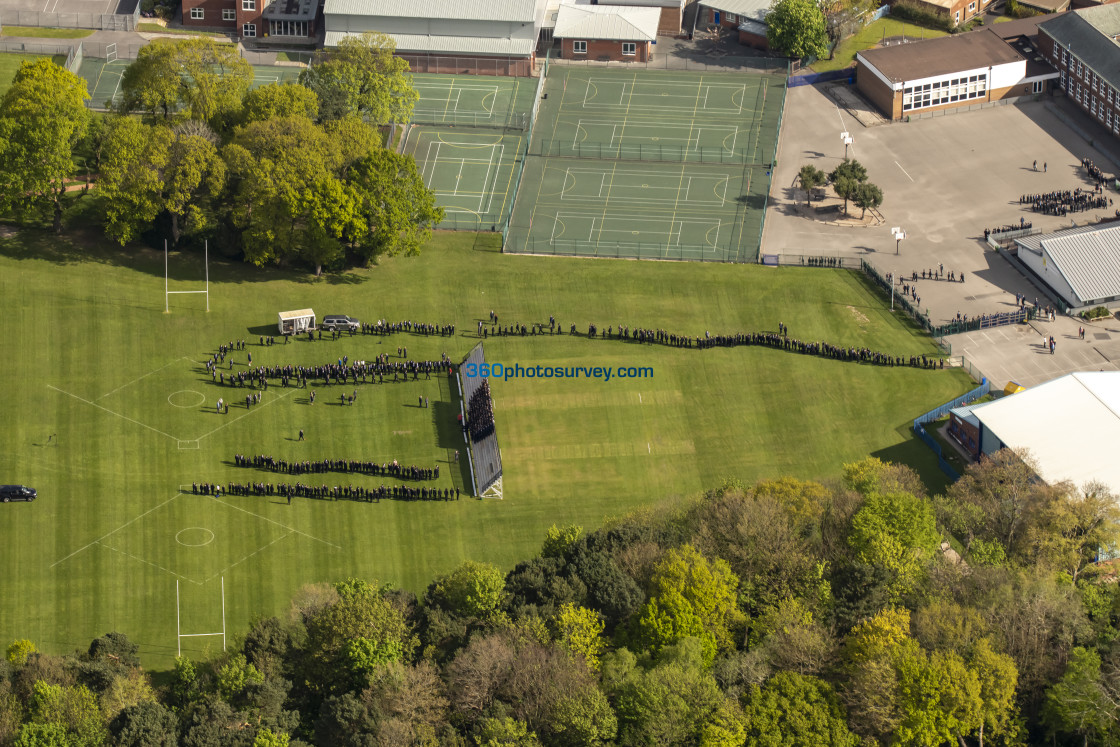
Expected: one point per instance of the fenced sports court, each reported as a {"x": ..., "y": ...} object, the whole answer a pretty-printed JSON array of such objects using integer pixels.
[
  {"x": 501, "y": 103},
  {"x": 471, "y": 172},
  {"x": 649, "y": 165}
]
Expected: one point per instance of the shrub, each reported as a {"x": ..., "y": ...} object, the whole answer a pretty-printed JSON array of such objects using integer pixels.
[
  {"x": 1100, "y": 312},
  {"x": 908, "y": 11}
]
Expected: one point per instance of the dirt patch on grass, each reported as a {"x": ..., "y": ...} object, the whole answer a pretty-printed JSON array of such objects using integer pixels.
[{"x": 859, "y": 315}]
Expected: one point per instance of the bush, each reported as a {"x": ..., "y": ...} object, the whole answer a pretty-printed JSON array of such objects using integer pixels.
[
  {"x": 908, "y": 11},
  {"x": 1015, "y": 10},
  {"x": 1099, "y": 312}
]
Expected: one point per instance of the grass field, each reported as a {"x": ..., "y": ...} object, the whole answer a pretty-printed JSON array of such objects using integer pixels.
[
  {"x": 45, "y": 33},
  {"x": 870, "y": 36},
  {"x": 10, "y": 62},
  {"x": 108, "y": 413}
]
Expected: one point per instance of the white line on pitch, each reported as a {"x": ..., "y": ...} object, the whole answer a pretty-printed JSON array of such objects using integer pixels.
[
  {"x": 899, "y": 165},
  {"x": 122, "y": 386},
  {"x": 148, "y": 562},
  {"x": 258, "y": 550},
  {"x": 264, "y": 403},
  {"x": 122, "y": 526},
  {"x": 273, "y": 521},
  {"x": 111, "y": 412}
]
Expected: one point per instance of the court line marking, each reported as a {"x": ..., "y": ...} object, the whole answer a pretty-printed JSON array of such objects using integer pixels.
[
  {"x": 899, "y": 165},
  {"x": 263, "y": 403},
  {"x": 112, "y": 412},
  {"x": 138, "y": 378},
  {"x": 110, "y": 534},
  {"x": 255, "y": 552},
  {"x": 273, "y": 521}
]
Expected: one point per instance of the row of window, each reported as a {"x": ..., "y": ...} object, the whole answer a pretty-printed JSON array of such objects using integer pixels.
[
  {"x": 275, "y": 28},
  {"x": 1099, "y": 109},
  {"x": 197, "y": 14},
  {"x": 944, "y": 92},
  {"x": 628, "y": 48}
]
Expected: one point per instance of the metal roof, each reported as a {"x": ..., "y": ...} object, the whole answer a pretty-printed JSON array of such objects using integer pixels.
[
  {"x": 466, "y": 10},
  {"x": 756, "y": 9},
  {"x": 1087, "y": 257},
  {"x": 610, "y": 22},
  {"x": 1058, "y": 422},
  {"x": 296, "y": 314},
  {"x": 472, "y": 45},
  {"x": 1088, "y": 35}
]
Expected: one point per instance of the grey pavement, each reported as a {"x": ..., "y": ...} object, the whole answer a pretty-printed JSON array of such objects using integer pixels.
[{"x": 945, "y": 179}]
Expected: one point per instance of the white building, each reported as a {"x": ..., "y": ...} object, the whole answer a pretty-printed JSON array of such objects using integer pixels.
[
  {"x": 1081, "y": 265},
  {"x": 477, "y": 37}
]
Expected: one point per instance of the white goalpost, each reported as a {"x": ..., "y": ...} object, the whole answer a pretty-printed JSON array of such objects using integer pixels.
[
  {"x": 180, "y": 635},
  {"x": 168, "y": 293}
]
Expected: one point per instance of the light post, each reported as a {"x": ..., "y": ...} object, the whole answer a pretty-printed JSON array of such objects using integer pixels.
[
  {"x": 847, "y": 140},
  {"x": 899, "y": 235}
]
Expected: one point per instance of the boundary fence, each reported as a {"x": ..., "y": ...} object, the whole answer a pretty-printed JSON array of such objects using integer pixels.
[
  {"x": 563, "y": 148},
  {"x": 803, "y": 260},
  {"x": 700, "y": 62},
  {"x": 939, "y": 412},
  {"x": 37, "y": 48},
  {"x": 533, "y": 112},
  {"x": 97, "y": 21}
]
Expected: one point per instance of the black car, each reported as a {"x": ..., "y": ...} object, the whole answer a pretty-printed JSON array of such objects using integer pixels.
[
  {"x": 332, "y": 322},
  {"x": 16, "y": 493}
]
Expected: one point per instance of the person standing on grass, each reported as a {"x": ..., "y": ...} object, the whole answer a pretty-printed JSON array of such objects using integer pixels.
[{"x": 301, "y": 438}]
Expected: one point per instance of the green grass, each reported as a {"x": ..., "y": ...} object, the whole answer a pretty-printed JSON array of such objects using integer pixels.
[
  {"x": 871, "y": 35},
  {"x": 44, "y": 33},
  {"x": 155, "y": 28},
  {"x": 1003, "y": 19},
  {"x": 10, "y": 62},
  {"x": 98, "y": 378}
]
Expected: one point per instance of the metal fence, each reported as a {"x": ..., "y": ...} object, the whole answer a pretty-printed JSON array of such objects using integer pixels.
[
  {"x": 98, "y": 21},
  {"x": 520, "y": 67},
  {"x": 566, "y": 148},
  {"x": 270, "y": 57},
  {"x": 36, "y": 48},
  {"x": 519, "y": 241},
  {"x": 696, "y": 61},
  {"x": 939, "y": 412},
  {"x": 512, "y": 121},
  {"x": 533, "y": 112},
  {"x": 811, "y": 260}
]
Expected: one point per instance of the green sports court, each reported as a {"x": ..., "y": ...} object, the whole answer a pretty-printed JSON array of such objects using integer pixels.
[
  {"x": 470, "y": 171},
  {"x": 649, "y": 165},
  {"x": 474, "y": 101}
]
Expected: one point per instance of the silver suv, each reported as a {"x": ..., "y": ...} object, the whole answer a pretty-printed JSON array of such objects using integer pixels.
[{"x": 340, "y": 321}]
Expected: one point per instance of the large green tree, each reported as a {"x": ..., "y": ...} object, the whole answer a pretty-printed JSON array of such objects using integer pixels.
[
  {"x": 793, "y": 710},
  {"x": 797, "y": 28},
  {"x": 362, "y": 76},
  {"x": 396, "y": 210},
  {"x": 43, "y": 117}
]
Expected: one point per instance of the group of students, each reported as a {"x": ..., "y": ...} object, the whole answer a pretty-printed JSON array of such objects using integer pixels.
[
  {"x": 328, "y": 493},
  {"x": 480, "y": 412},
  {"x": 340, "y": 372},
  {"x": 822, "y": 349},
  {"x": 318, "y": 466},
  {"x": 1063, "y": 202},
  {"x": 385, "y": 327}
]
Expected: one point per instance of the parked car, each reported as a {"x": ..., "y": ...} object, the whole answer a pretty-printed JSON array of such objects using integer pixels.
[
  {"x": 332, "y": 322},
  {"x": 16, "y": 493}
]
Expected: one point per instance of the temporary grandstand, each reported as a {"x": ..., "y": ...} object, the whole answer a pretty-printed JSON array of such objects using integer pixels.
[{"x": 477, "y": 412}]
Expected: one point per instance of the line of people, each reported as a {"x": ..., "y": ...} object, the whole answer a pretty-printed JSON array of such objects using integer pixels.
[
  {"x": 327, "y": 493},
  {"x": 355, "y": 466}
]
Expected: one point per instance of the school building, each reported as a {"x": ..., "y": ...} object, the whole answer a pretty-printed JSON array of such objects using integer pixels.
[
  {"x": 963, "y": 70},
  {"x": 1080, "y": 265},
  {"x": 607, "y": 32},
  {"x": 1082, "y": 46},
  {"x": 746, "y": 18},
  {"x": 472, "y": 37},
  {"x": 1062, "y": 424},
  {"x": 278, "y": 21}
]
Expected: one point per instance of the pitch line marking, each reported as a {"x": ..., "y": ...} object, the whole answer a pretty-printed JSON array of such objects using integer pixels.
[
  {"x": 255, "y": 552},
  {"x": 110, "y": 534},
  {"x": 273, "y": 521},
  {"x": 264, "y": 403},
  {"x": 122, "y": 386},
  {"x": 148, "y": 562},
  {"x": 899, "y": 165},
  {"x": 111, "y": 412}
]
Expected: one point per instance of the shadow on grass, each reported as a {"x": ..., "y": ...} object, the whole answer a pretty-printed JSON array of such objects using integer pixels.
[
  {"x": 449, "y": 435},
  {"x": 915, "y": 454}
]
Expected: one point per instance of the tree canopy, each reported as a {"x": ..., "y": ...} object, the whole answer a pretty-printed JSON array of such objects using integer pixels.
[{"x": 797, "y": 28}]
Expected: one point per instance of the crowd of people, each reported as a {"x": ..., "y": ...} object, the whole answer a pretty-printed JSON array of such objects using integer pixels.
[
  {"x": 480, "y": 412},
  {"x": 822, "y": 349},
  {"x": 343, "y": 371},
  {"x": 328, "y": 493},
  {"x": 821, "y": 261},
  {"x": 385, "y": 327},
  {"x": 1094, "y": 173},
  {"x": 1024, "y": 225},
  {"x": 1063, "y": 202},
  {"x": 353, "y": 466}
]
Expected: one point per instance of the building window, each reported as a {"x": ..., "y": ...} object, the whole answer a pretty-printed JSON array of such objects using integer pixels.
[
  {"x": 197, "y": 14},
  {"x": 971, "y": 7},
  {"x": 249, "y": 30},
  {"x": 287, "y": 28},
  {"x": 956, "y": 17},
  {"x": 579, "y": 47},
  {"x": 949, "y": 91},
  {"x": 629, "y": 48},
  {"x": 1038, "y": 86},
  {"x": 1093, "y": 108},
  {"x": 732, "y": 18},
  {"x": 229, "y": 14},
  {"x": 248, "y": 4}
]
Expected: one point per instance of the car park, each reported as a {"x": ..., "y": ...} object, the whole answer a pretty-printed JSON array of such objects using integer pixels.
[{"x": 17, "y": 493}]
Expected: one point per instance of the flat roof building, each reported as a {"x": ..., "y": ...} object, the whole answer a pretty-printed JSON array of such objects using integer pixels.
[
  {"x": 607, "y": 32},
  {"x": 1081, "y": 265}
]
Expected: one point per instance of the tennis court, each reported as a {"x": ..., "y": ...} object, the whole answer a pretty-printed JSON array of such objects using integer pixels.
[
  {"x": 661, "y": 116},
  {"x": 104, "y": 78},
  {"x": 475, "y": 101},
  {"x": 470, "y": 171}
]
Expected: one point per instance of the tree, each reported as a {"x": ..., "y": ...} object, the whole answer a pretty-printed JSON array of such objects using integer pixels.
[
  {"x": 998, "y": 677},
  {"x": 472, "y": 590},
  {"x": 857, "y": 172},
  {"x": 268, "y": 738},
  {"x": 690, "y": 597},
  {"x": 133, "y": 160},
  {"x": 793, "y": 710},
  {"x": 797, "y": 28},
  {"x": 146, "y": 724},
  {"x": 867, "y": 195},
  {"x": 1078, "y": 703},
  {"x": 284, "y": 100},
  {"x": 580, "y": 630},
  {"x": 1067, "y": 533},
  {"x": 505, "y": 732},
  {"x": 18, "y": 651},
  {"x": 396, "y": 211},
  {"x": 557, "y": 540},
  {"x": 846, "y": 188},
  {"x": 362, "y": 76},
  {"x": 898, "y": 532},
  {"x": 43, "y": 117},
  {"x": 810, "y": 177},
  {"x": 791, "y": 639},
  {"x": 234, "y": 676}
]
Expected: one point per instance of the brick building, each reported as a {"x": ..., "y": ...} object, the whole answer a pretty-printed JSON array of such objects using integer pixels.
[
  {"x": 746, "y": 18},
  {"x": 607, "y": 32},
  {"x": 1082, "y": 46},
  {"x": 964, "y": 70},
  {"x": 280, "y": 21}
]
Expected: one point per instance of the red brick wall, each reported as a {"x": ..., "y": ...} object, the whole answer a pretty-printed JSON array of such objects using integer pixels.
[
  {"x": 1080, "y": 87},
  {"x": 252, "y": 16},
  {"x": 611, "y": 50},
  {"x": 962, "y": 431},
  {"x": 722, "y": 19},
  {"x": 758, "y": 41},
  {"x": 878, "y": 92},
  {"x": 212, "y": 10}
]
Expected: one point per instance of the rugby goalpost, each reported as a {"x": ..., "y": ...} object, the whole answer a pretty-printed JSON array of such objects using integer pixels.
[
  {"x": 180, "y": 635},
  {"x": 168, "y": 293}
]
